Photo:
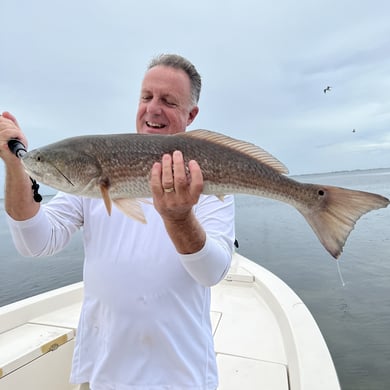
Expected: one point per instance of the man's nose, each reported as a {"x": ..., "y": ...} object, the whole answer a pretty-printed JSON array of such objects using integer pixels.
[{"x": 154, "y": 107}]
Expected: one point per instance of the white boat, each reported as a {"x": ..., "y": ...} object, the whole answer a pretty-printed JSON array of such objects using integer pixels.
[{"x": 265, "y": 337}]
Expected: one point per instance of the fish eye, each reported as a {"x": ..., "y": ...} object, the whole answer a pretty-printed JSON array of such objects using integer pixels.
[{"x": 321, "y": 192}]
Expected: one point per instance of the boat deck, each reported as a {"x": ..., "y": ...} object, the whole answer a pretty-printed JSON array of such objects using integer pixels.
[
  {"x": 257, "y": 336},
  {"x": 248, "y": 343}
]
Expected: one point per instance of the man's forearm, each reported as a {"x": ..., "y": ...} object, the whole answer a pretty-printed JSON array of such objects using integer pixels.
[
  {"x": 19, "y": 202},
  {"x": 188, "y": 235}
]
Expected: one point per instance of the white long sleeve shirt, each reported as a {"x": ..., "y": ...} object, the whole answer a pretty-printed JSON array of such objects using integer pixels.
[{"x": 145, "y": 319}]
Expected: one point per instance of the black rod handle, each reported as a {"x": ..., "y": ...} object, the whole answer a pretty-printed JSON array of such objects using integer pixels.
[{"x": 17, "y": 148}]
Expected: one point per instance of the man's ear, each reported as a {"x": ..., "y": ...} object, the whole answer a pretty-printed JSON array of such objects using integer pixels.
[{"x": 191, "y": 116}]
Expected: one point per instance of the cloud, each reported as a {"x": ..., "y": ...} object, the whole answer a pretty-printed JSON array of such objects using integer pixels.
[{"x": 75, "y": 68}]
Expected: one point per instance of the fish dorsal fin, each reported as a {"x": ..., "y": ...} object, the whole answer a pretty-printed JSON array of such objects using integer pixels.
[{"x": 247, "y": 148}]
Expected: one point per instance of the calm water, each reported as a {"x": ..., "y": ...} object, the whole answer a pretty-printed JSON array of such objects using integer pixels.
[{"x": 355, "y": 318}]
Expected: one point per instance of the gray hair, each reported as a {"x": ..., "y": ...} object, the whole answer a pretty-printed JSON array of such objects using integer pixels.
[{"x": 179, "y": 62}]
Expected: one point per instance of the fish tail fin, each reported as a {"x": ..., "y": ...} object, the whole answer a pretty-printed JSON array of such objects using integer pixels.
[{"x": 338, "y": 213}]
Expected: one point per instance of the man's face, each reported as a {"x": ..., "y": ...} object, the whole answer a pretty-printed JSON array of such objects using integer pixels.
[{"x": 165, "y": 102}]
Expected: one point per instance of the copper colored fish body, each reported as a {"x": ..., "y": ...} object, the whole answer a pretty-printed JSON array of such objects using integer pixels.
[{"x": 117, "y": 167}]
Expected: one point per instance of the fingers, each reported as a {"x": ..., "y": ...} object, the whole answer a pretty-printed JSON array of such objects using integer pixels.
[
  {"x": 171, "y": 176},
  {"x": 9, "y": 129},
  {"x": 155, "y": 179},
  {"x": 179, "y": 173},
  {"x": 162, "y": 177},
  {"x": 9, "y": 116},
  {"x": 167, "y": 179},
  {"x": 196, "y": 186}
]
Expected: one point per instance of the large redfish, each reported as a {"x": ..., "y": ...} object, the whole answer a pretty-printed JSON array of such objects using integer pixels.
[{"x": 117, "y": 168}]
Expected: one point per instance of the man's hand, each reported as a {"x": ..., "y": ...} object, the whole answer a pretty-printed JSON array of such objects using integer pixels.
[
  {"x": 9, "y": 129},
  {"x": 176, "y": 189}
]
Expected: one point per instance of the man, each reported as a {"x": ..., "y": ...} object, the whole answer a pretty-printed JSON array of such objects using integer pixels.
[{"x": 145, "y": 320}]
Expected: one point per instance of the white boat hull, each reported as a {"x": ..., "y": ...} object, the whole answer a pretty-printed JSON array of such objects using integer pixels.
[{"x": 264, "y": 336}]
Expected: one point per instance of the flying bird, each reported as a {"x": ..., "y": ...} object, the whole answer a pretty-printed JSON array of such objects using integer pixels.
[{"x": 327, "y": 89}]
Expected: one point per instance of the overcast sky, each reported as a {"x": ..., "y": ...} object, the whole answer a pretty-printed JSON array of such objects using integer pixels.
[{"x": 75, "y": 67}]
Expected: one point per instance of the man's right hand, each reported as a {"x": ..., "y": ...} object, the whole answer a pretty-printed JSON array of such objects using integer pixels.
[{"x": 9, "y": 129}]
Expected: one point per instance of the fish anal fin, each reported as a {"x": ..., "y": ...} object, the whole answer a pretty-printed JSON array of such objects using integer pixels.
[
  {"x": 132, "y": 208},
  {"x": 337, "y": 214},
  {"x": 104, "y": 190},
  {"x": 247, "y": 148}
]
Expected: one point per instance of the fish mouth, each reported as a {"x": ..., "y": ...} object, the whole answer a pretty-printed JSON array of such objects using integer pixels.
[{"x": 37, "y": 176}]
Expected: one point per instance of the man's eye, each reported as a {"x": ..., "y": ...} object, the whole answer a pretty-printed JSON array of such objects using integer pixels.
[{"x": 146, "y": 98}]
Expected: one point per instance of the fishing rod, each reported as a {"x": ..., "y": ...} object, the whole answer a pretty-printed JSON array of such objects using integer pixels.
[{"x": 19, "y": 150}]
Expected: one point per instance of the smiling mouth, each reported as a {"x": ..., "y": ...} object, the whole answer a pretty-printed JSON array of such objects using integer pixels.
[{"x": 154, "y": 125}]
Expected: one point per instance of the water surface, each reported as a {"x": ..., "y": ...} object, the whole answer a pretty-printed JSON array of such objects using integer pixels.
[{"x": 354, "y": 318}]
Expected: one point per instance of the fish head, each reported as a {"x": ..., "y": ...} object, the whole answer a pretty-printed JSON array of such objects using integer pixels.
[{"x": 63, "y": 168}]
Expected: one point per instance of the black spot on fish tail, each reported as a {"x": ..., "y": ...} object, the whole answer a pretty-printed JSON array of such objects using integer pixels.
[{"x": 337, "y": 214}]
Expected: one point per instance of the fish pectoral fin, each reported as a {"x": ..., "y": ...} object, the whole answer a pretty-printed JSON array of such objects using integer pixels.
[
  {"x": 104, "y": 190},
  {"x": 132, "y": 208}
]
